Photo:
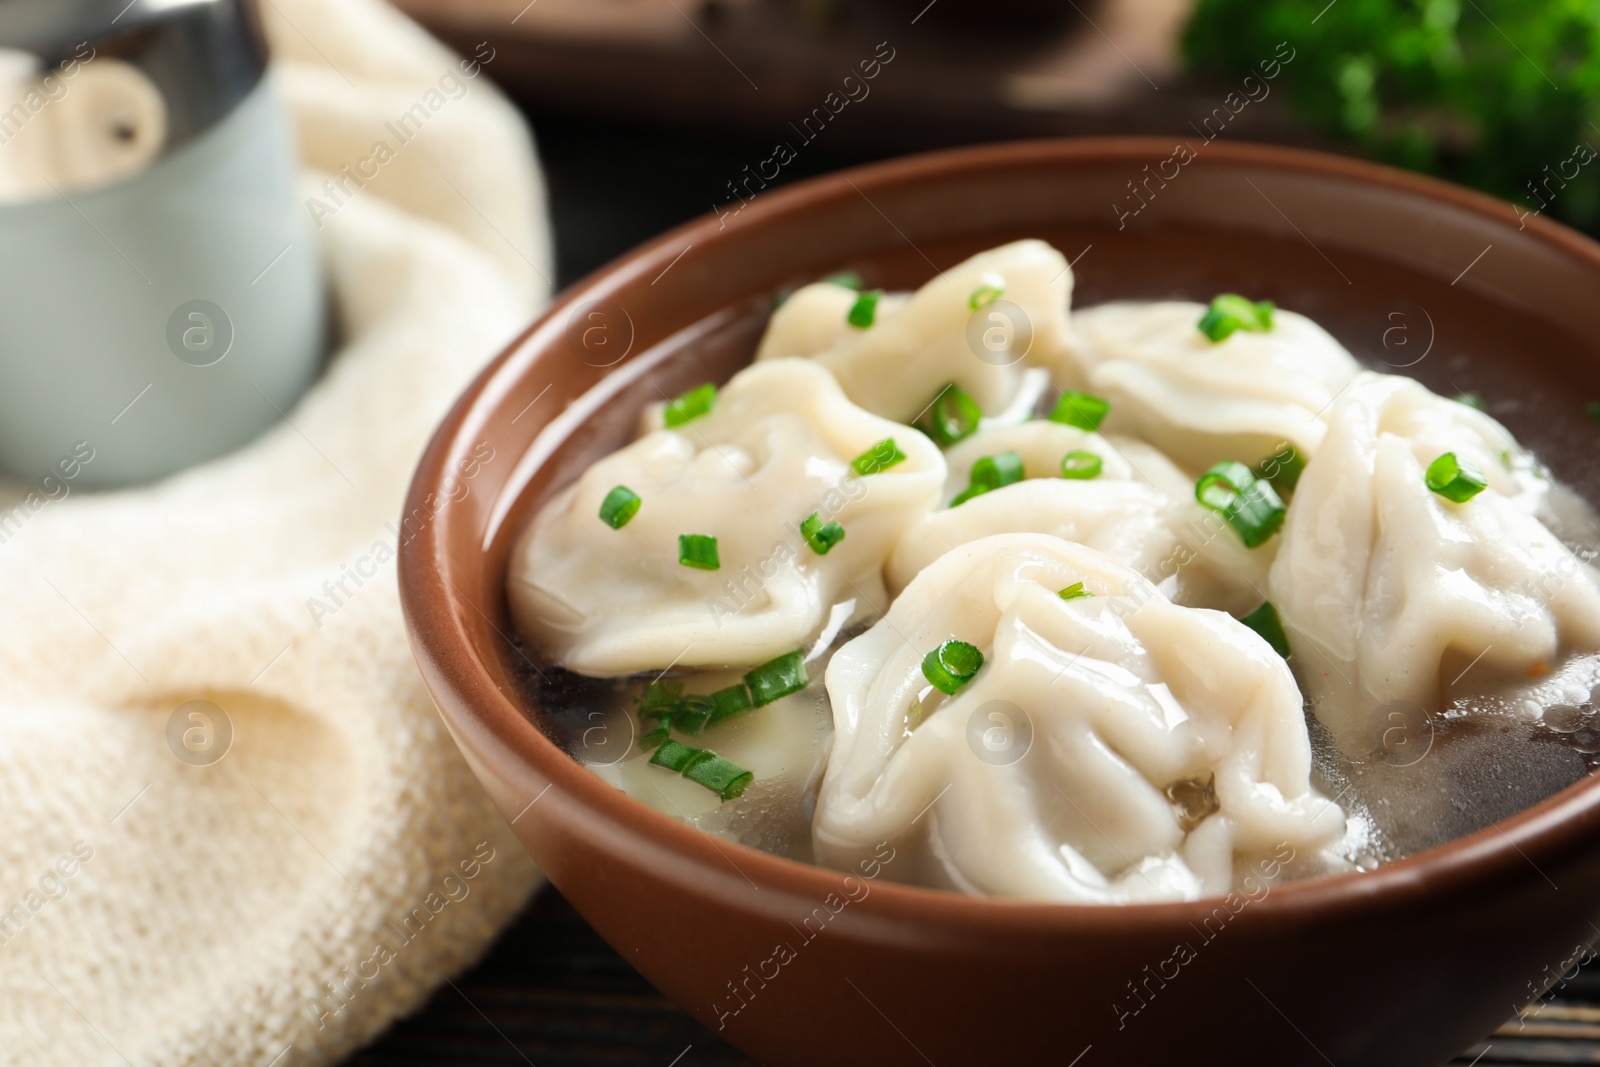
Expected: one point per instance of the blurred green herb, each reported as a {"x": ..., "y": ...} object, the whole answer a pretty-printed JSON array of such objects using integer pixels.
[{"x": 1503, "y": 95}]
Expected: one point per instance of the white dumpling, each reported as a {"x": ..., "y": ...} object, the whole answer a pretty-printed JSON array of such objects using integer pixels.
[
  {"x": 776, "y": 447},
  {"x": 895, "y": 367},
  {"x": 1383, "y": 584},
  {"x": 1140, "y": 510},
  {"x": 1050, "y": 775},
  {"x": 815, "y": 318},
  {"x": 1201, "y": 401}
]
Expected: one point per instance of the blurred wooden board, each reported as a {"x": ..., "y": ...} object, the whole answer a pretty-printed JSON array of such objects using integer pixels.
[
  {"x": 552, "y": 993},
  {"x": 955, "y": 76}
]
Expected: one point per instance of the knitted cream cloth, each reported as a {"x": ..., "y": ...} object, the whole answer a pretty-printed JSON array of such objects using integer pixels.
[{"x": 282, "y": 904}]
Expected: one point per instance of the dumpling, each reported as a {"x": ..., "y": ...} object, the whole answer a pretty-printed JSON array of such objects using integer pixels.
[
  {"x": 815, "y": 318},
  {"x": 1111, "y": 748},
  {"x": 1384, "y": 585},
  {"x": 895, "y": 367},
  {"x": 1140, "y": 510},
  {"x": 1201, "y": 401},
  {"x": 777, "y": 447}
]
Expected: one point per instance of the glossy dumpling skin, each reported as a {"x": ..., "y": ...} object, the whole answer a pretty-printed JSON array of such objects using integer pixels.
[
  {"x": 1124, "y": 694},
  {"x": 896, "y": 366},
  {"x": 1140, "y": 511},
  {"x": 1383, "y": 584},
  {"x": 1201, "y": 401},
  {"x": 815, "y": 318},
  {"x": 776, "y": 447}
]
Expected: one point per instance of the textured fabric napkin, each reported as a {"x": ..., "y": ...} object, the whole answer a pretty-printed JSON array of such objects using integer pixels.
[{"x": 282, "y": 903}]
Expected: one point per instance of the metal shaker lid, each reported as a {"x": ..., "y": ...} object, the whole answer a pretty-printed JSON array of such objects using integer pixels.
[{"x": 197, "y": 59}]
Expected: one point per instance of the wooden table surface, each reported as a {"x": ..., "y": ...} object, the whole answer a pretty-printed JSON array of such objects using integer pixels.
[
  {"x": 638, "y": 136},
  {"x": 552, "y": 994}
]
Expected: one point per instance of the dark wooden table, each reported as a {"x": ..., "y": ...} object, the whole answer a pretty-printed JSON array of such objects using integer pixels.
[{"x": 550, "y": 992}]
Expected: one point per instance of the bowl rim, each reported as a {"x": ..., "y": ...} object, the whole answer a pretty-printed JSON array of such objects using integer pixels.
[{"x": 1557, "y": 825}]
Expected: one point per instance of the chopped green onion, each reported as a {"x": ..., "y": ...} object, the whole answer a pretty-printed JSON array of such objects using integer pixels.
[
  {"x": 660, "y": 699},
  {"x": 1083, "y": 410},
  {"x": 999, "y": 470},
  {"x": 880, "y": 457},
  {"x": 1081, "y": 465},
  {"x": 658, "y": 734},
  {"x": 864, "y": 310},
  {"x": 777, "y": 678},
  {"x": 951, "y": 666},
  {"x": 1454, "y": 479},
  {"x": 1075, "y": 591},
  {"x": 693, "y": 714},
  {"x": 1593, "y": 410},
  {"x": 1265, "y": 621},
  {"x": 698, "y": 551},
  {"x": 845, "y": 279},
  {"x": 984, "y": 294},
  {"x": 728, "y": 702},
  {"x": 676, "y": 757},
  {"x": 967, "y": 494},
  {"x": 1230, "y": 312},
  {"x": 691, "y": 405},
  {"x": 820, "y": 537},
  {"x": 703, "y": 767},
  {"x": 1250, "y": 505},
  {"x": 952, "y": 416},
  {"x": 721, "y": 776},
  {"x": 991, "y": 472},
  {"x": 1471, "y": 400},
  {"x": 1283, "y": 469},
  {"x": 620, "y": 505}
]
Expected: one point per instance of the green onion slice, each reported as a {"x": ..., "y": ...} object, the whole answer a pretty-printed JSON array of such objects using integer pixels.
[
  {"x": 821, "y": 537},
  {"x": 985, "y": 294},
  {"x": 951, "y": 666},
  {"x": 1075, "y": 591},
  {"x": 997, "y": 471},
  {"x": 657, "y": 735},
  {"x": 1593, "y": 410},
  {"x": 660, "y": 699},
  {"x": 952, "y": 416},
  {"x": 691, "y": 405},
  {"x": 693, "y": 714},
  {"x": 777, "y": 678},
  {"x": 1083, "y": 410},
  {"x": 620, "y": 505},
  {"x": 721, "y": 776},
  {"x": 865, "y": 310},
  {"x": 844, "y": 279},
  {"x": 1251, "y": 506},
  {"x": 703, "y": 767},
  {"x": 729, "y": 702},
  {"x": 1265, "y": 621},
  {"x": 1283, "y": 469},
  {"x": 1230, "y": 312},
  {"x": 698, "y": 551},
  {"x": 1455, "y": 479},
  {"x": 880, "y": 457},
  {"x": 967, "y": 494},
  {"x": 1471, "y": 400},
  {"x": 677, "y": 757},
  {"x": 1081, "y": 465}
]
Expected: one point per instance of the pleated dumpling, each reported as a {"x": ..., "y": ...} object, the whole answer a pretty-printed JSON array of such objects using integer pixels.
[
  {"x": 604, "y": 591},
  {"x": 1112, "y": 747},
  {"x": 976, "y": 324},
  {"x": 1137, "y": 507},
  {"x": 1390, "y": 590},
  {"x": 1202, "y": 401}
]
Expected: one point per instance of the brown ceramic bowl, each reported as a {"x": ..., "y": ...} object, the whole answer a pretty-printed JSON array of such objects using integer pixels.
[{"x": 1405, "y": 965}]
